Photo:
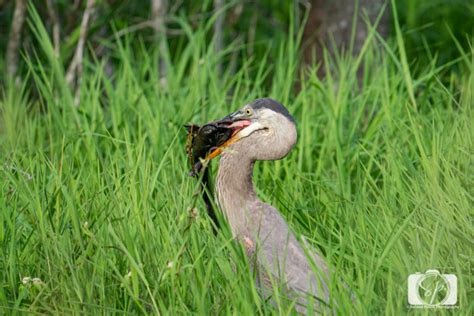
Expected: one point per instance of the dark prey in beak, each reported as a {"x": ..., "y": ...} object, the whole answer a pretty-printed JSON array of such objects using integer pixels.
[
  {"x": 207, "y": 141},
  {"x": 202, "y": 140}
]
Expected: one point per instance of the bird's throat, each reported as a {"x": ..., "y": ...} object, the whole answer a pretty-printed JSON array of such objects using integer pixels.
[{"x": 234, "y": 188}]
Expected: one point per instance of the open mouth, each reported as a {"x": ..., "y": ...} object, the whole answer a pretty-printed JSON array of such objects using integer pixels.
[{"x": 236, "y": 127}]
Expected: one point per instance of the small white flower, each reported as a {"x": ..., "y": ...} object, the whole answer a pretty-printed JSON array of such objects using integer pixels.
[
  {"x": 36, "y": 281},
  {"x": 26, "y": 280},
  {"x": 169, "y": 264}
]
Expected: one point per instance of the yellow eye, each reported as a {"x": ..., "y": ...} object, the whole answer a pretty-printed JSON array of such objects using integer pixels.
[{"x": 248, "y": 112}]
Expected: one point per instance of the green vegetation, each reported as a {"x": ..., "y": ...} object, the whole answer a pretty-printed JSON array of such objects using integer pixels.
[
  {"x": 435, "y": 29},
  {"x": 95, "y": 199}
]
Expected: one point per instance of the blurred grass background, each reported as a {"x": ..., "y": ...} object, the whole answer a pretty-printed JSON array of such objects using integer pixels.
[{"x": 96, "y": 207}]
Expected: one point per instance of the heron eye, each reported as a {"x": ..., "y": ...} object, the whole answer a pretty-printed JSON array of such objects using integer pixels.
[{"x": 248, "y": 112}]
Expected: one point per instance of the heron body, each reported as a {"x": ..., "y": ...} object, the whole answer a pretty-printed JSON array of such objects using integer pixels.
[{"x": 274, "y": 250}]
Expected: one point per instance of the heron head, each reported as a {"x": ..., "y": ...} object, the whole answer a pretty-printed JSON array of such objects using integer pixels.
[{"x": 264, "y": 129}]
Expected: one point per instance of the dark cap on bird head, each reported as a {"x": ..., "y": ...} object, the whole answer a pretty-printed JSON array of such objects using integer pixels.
[{"x": 268, "y": 103}]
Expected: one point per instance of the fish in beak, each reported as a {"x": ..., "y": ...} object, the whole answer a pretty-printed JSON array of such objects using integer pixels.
[
  {"x": 208, "y": 141},
  {"x": 236, "y": 123}
]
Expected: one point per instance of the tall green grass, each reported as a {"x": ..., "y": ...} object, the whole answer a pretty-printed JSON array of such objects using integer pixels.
[{"x": 95, "y": 200}]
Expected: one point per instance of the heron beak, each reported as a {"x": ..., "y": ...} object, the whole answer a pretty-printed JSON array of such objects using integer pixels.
[{"x": 237, "y": 122}]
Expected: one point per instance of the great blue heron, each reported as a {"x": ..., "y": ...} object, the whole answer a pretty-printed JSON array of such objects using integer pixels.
[{"x": 265, "y": 130}]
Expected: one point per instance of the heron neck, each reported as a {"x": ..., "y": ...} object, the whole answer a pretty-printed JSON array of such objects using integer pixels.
[{"x": 234, "y": 187}]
